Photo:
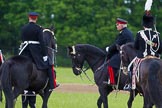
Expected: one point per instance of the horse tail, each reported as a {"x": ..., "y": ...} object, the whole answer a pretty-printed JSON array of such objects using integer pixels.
[
  {"x": 6, "y": 79},
  {"x": 154, "y": 82}
]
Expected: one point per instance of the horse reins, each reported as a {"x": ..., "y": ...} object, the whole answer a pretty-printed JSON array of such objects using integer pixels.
[{"x": 84, "y": 70}]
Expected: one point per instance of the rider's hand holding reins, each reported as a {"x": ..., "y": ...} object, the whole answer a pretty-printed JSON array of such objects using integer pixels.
[{"x": 45, "y": 58}]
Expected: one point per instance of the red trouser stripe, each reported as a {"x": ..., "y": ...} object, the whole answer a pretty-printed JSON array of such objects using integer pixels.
[
  {"x": 111, "y": 75},
  {"x": 54, "y": 76}
]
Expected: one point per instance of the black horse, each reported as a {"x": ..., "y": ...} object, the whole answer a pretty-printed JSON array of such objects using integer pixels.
[
  {"x": 150, "y": 76},
  {"x": 18, "y": 73},
  {"x": 96, "y": 58}
]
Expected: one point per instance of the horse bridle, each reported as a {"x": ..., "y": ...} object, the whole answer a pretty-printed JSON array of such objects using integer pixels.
[
  {"x": 122, "y": 67},
  {"x": 78, "y": 67}
]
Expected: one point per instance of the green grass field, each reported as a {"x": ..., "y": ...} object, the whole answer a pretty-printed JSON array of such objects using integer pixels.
[
  {"x": 80, "y": 100},
  {"x": 83, "y": 100}
]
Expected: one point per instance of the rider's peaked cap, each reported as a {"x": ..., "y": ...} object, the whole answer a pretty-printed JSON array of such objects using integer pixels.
[
  {"x": 33, "y": 15},
  {"x": 148, "y": 20},
  {"x": 121, "y": 21}
]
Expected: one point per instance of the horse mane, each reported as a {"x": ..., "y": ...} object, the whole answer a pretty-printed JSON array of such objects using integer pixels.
[
  {"x": 90, "y": 49},
  {"x": 128, "y": 45}
]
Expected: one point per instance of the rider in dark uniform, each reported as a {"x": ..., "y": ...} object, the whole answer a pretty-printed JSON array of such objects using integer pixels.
[
  {"x": 113, "y": 55},
  {"x": 33, "y": 45},
  {"x": 147, "y": 43},
  {"x": 51, "y": 45}
]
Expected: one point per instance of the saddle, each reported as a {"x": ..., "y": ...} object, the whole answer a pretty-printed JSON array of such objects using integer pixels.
[{"x": 136, "y": 65}]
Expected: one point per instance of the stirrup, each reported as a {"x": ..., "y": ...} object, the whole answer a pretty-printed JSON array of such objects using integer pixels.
[{"x": 127, "y": 87}]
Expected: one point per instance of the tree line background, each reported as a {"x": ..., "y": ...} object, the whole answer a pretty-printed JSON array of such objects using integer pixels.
[{"x": 75, "y": 21}]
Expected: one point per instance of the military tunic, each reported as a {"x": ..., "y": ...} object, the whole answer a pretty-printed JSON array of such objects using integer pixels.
[
  {"x": 151, "y": 45},
  {"x": 113, "y": 56},
  {"x": 33, "y": 32},
  {"x": 50, "y": 43}
]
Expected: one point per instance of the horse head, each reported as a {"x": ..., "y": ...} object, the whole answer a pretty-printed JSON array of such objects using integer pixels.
[
  {"x": 48, "y": 31},
  {"x": 127, "y": 53},
  {"x": 77, "y": 59},
  {"x": 79, "y": 53}
]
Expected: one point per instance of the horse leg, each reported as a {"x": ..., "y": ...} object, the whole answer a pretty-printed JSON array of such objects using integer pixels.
[
  {"x": 99, "y": 102},
  {"x": 105, "y": 103},
  {"x": 147, "y": 102},
  {"x": 9, "y": 99},
  {"x": 45, "y": 96},
  {"x": 104, "y": 99},
  {"x": 103, "y": 95},
  {"x": 131, "y": 98},
  {"x": 16, "y": 93}
]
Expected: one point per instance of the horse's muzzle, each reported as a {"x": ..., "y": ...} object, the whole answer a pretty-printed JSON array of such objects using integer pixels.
[{"x": 77, "y": 70}]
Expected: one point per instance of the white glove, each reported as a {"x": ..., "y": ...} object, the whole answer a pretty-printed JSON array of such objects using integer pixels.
[
  {"x": 45, "y": 58},
  {"x": 107, "y": 49}
]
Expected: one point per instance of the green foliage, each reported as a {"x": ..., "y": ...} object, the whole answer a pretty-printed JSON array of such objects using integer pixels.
[{"x": 76, "y": 21}]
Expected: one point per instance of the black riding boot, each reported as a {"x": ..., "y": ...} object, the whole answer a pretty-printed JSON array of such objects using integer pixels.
[{"x": 51, "y": 80}]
